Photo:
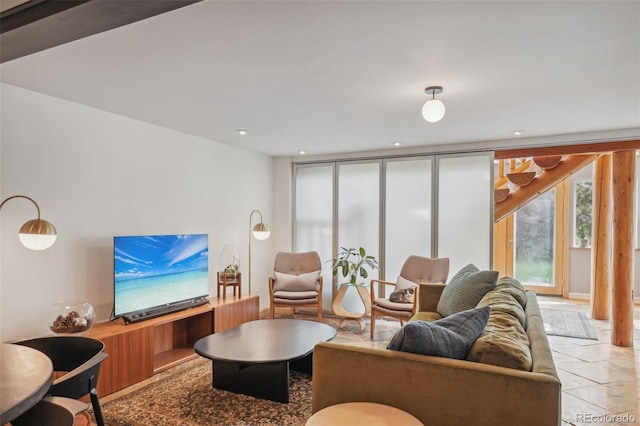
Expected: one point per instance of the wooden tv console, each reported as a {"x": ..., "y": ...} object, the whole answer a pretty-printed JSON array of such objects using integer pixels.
[{"x": 138, "y": 351}]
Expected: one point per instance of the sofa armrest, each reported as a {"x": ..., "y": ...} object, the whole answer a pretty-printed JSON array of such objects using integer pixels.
[{"x": 429, "y": 296}]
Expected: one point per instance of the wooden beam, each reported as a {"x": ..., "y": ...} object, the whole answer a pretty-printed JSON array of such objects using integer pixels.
[
  {"x": 41, "y": 24},
  {"x": 588, "y": 148},
  {"x": 601, "y": 243},
  {"x": 543, "y": 182},
  {"x": 623, "y": 250}
]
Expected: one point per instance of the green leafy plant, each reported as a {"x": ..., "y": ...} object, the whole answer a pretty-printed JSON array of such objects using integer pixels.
[
  {"x": 353, "y": 264},
  {"x": 583, "y": 231}
]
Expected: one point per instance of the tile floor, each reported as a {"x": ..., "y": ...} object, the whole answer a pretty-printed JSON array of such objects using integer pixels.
[{"x": 600, "y": 381}]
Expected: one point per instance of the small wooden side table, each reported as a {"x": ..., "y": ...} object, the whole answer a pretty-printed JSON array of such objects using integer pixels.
[
  {"x": 362, "y": 414},
  {"x": 339, "y": 310},
  {"x": 225, "y": 281}
]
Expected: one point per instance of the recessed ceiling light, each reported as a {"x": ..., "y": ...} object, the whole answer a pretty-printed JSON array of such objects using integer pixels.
[
  {"x": 243, "y": 131},
  {"x": 518, "y": 132},
  {"x": 302, "y": 152},
  {"x": 397, "y": 143}
]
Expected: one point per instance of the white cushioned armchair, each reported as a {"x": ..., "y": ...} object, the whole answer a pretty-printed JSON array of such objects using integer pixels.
[
  {"x": 296, "y": 282},
  {"x": 415, "y": 270}
]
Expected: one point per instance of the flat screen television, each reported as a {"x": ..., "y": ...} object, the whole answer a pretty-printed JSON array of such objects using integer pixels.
[{"x": 159, "y": 274}]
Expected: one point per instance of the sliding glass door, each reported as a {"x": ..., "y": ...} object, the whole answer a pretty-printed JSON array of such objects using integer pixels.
[
  {"x": 313, "y": 223},
  {"x": 465, "y": 213},
  {"x": 407, "y": 212},
  {"x": 432, "y": 206}
]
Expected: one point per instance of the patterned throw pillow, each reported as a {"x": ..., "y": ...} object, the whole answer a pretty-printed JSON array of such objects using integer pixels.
[
  {"x": 465, "y": 290},
  {"x": 450, "y": 337},
  {"x": 291, "y": 282}
]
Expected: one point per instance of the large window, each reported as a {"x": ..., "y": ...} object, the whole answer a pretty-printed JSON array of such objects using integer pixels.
[
  {"x": 314, "y": 217},
  {"x": 359, "y": 215},
  {"x": 407, "y": 212},
  {"x": 583, "y": 208},
  {"x": 388, "y": 206},
  {"x": 465, "y": 214}
]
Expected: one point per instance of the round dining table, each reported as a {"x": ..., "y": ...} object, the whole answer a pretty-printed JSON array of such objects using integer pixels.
[{"x": 25, "y": 377}]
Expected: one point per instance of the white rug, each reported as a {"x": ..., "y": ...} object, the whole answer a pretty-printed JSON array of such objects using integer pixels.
[{"x": 567, "y": 323}]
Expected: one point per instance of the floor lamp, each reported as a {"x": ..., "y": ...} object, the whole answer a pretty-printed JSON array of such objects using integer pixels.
[
  {"x": 36, "y": 234},
  {"x": 261, "y": 232}
]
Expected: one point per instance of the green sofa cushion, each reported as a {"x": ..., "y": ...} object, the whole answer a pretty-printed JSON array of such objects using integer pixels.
[
  {"x": 513, "y": 287},
  {"x": 465, "y": 290},
  {"x": 426, "y": 316},
  {"x": 449, "y": 337},
  {"x": 504, "y": 341}
]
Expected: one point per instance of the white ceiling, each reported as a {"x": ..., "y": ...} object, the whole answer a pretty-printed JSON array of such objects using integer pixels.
[{"x": 345, "y": 76}]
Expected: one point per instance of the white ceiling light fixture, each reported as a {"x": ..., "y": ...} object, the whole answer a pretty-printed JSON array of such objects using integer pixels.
[
  {"x": 433, "y": 110},
  {"x": 243, "y": 131}
]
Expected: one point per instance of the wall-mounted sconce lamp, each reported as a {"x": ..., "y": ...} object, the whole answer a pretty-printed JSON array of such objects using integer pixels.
[
  {"x": 261, "y": 232},
  {"x": 36, "y": 234}
]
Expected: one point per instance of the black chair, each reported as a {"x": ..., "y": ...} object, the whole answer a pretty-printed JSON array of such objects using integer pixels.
[
  {"x": 51, "y": 411},
  {"x": 80, "y": 358}
]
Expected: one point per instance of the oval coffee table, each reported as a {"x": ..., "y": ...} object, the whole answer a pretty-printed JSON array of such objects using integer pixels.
[{"x": 254, "y": 358}]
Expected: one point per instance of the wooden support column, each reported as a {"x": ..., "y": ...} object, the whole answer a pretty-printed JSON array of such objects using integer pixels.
[
  {"x": 623, "y": 250},
  {"x": 601, "y": 244}
]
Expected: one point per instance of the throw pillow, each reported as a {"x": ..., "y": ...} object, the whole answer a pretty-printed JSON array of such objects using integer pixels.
[
  {"x": 403, "y": 283},
  {"x": 449, "y": 337},
  {"x": 504, "y": 341},
  {"x": 465, "y": 290},
  {"x": 514, "y": 288},
  {"x": 291, "y": 282}
]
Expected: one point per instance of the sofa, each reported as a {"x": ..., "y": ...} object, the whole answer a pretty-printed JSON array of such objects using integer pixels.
[{"x": 441, "y": 391}]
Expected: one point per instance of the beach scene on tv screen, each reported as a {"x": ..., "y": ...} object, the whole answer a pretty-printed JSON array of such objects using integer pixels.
[{"x": 156, "y": 270}]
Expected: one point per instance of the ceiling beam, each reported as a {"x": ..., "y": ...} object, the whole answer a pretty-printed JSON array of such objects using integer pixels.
[
  {"x": 41, "y": 24},
  {"x": 588, "y": 148}
]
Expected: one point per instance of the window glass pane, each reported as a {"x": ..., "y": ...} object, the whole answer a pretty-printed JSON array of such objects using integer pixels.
[
  {"x": 313, "y": 218},
  {"x": 534, "y": 240},
  {"x": 583, "y": 208},
  {"x": 408, "y": 213},
  {"x": 465, "y": 213},
  {"x": 359, "y": 215}
]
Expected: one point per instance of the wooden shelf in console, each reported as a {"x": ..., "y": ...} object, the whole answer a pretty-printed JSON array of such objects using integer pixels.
[{"x": 140, "y": 350}]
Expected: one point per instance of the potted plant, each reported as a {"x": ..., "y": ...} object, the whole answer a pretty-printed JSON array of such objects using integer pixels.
[
  {"x": 583, "y": 232},
  {"x": 353, "y": 263}
]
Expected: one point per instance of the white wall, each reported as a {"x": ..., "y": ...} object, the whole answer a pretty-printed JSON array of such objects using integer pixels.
[{"x": 96, "y": 175}]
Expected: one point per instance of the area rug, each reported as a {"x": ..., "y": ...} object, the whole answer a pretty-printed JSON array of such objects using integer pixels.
[
  {"x": 567, "y": 323},
  {"x": 188, "y": 399}
]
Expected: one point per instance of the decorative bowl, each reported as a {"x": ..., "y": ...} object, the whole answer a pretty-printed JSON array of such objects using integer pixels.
[
  {"x": 547, "y": 162},
  {"x": 500, "y": 194},
  {"x": 522, "y": 178},
  {"x": 71, "y": 317}
]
